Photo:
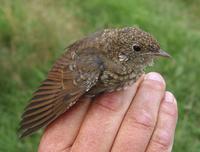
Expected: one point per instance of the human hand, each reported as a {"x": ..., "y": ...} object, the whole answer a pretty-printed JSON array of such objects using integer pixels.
[{"x": 140, "y": 119}]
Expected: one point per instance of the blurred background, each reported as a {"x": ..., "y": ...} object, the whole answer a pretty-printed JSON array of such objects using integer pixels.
[{"x": 34, "y": 33}]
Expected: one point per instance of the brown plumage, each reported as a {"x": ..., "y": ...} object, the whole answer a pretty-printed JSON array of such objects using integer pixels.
[{"x": 102, "y": 62}]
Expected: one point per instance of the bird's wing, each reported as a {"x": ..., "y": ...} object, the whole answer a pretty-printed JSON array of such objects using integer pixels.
[{"x": 70, "y": 77}]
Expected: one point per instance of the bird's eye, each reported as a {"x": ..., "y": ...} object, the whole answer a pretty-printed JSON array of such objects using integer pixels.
[{"x": 136, "y": 47}]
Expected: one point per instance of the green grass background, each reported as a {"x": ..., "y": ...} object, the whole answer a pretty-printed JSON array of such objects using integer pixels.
[{"x": 34, "y": 33}]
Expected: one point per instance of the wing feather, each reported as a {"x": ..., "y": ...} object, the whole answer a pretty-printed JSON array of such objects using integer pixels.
[{"x": 58, "y": 92}]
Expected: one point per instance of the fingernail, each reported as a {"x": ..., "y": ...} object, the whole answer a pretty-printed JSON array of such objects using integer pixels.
[
  {"x": 154, "y": 76},
  {"x": 169, "y": 97}
]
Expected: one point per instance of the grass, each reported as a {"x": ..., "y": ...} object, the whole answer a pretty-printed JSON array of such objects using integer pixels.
[{"x": 34, "y": 33}]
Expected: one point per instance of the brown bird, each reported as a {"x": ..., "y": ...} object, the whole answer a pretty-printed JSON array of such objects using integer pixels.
[{"x": 105, "y": 61}]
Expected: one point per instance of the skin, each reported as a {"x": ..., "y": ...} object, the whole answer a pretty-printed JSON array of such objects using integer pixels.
[{"x": 140, "y": 119}]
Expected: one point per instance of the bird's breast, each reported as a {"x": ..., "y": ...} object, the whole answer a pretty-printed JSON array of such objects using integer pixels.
[{"x": 113, "y": 81}]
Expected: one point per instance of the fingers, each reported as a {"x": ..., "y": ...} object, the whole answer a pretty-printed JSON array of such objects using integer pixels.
[
  {"x": 60, "y": 135},
  {"x": 140, "y": 120},
  {"x": 162, "y": 139},
  {"x": 103, "y": 120},
  {"x": 146, "y": 124}
]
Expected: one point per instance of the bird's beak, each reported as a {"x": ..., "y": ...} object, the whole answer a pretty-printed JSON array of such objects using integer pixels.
[{"x": 163, "y": 53}]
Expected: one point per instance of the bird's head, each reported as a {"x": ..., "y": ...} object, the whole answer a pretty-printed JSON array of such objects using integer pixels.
[{"x": 134, "y": 45}]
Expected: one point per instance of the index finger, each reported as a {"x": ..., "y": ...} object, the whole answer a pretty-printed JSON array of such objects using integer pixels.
[{"x": 140, "y": 120}]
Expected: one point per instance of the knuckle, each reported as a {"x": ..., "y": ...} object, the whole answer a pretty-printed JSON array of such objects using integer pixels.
[
  {"x": 170, "y": 109},
  {"x": 110, "y": 102},
  {"x": 153, "y": 85},
  {"x": 162, "y": 140},
  {"x": 142, "y": 120}
]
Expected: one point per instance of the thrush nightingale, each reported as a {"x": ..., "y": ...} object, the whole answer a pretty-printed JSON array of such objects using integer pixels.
[{"x": 105, "y": 61}]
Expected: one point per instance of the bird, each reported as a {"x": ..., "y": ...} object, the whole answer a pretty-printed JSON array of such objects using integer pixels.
[{"x": 105, "y": 61}]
